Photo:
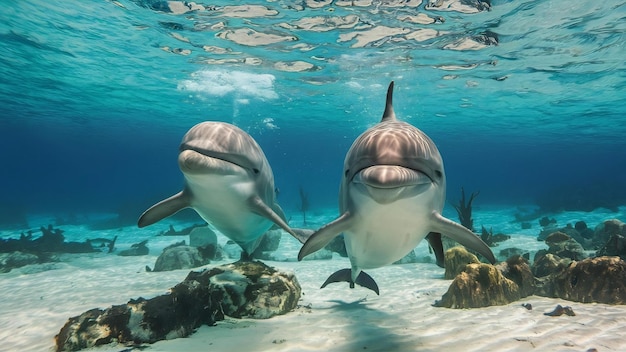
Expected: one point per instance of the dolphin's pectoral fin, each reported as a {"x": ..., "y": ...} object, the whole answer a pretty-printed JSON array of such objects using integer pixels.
[
  {"x": 279, "y": 211},
  {"x": 324, "y": 235},
  {"x": 303, "y": 235},
  {"x": 434, "y": 240},
  {"x": 258, "y": 206},
  {"x": 164, "y": 208},
  {"x": 342, "y": 275},
  {"x": 462, "y": 235}
]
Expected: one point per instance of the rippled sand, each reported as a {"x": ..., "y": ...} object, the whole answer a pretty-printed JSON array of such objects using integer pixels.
[{"x": 38, "y": 300}]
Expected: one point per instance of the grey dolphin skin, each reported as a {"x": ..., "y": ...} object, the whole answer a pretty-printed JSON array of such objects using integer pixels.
[
  {"x": 391, "y": 197},
  {"x": 228, "y": 182}
]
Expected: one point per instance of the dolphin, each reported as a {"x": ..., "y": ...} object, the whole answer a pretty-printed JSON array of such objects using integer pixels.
[
  {"x": 228, "y": 182},
  {"x": 391, "y": 196}
]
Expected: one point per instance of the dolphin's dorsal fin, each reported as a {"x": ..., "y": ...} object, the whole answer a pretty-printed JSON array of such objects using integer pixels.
[
  {"x": 389, "y": 115},
  {"x": 164, "y": 208}
]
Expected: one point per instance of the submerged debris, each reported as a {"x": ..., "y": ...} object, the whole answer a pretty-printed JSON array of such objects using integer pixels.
[{"x": 560, "y": 310}]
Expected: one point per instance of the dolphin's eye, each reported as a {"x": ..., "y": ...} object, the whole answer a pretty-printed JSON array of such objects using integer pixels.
[
  {"x": 438, "y": 173},
  {"x": 347, "y": 172},
  {"x": 256, "y": 171}
]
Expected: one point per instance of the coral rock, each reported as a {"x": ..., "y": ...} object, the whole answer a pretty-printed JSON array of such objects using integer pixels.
[
  {"x": 456, "y": 259},
  {"x": 479, "y": 285},
  {"x": 548, "y": 264},
  {"x": 564, "y": 246},
  {"x": 601, "y": 279},
  {"x": 269, "y": 243},
  {"x": 242, "y": 289},
  {"x": 605, "y": 230},
  {"x": 251, "y": 289},
  {"x": 615, "y": 246},
  {"x": 142, "y": 321},
  {"x": 202, "y": 236},
  {"x": 9, "y": 261},
  {"x": 179, "y": 257},
  {"x": 516, "y": 269}
]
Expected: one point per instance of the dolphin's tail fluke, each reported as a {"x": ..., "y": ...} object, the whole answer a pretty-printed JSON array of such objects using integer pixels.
[{"x": 346, "y": 275}]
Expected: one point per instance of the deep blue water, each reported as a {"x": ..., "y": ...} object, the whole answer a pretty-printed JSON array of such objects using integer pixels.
[{"x": 96, "y": 95}]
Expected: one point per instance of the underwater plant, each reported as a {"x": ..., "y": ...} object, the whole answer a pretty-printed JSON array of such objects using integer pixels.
[
  {"x": 490, "y": 239},
  {"x": 464, "y": 210},
  {"x": 304, "y": 204}
]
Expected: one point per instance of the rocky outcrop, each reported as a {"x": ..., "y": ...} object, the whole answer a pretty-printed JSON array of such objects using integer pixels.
[
  {"x": 483, "y": 285},
  {"x": 136, "y": 249},
  {"x": 605, "y": 230},
  {"x": 250, "y": 289},
  {"x": 600, "y": 279},
  {"x": 456, "y": 258},
  {"x": 10, "y": 261},
  {"x": 509, "y": 252},
  {"x": 615, "y": 246},
  {"x": 547, "y": 264},
  {"x": 202, "y": 236},
  {"x": 479, "y": 285},
  {"x": 269, "y": 244},
  {"x": 51, "y": 240},
  {"x": 241, "y": 289},
  {"x": 564, "y": 246},
  {"x": 179, "y": 256}
]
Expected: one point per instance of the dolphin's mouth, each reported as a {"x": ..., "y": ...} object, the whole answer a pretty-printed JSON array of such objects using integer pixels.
[
  {"x": 194, "y": 161},
  {"x": 390, "y": 176},
  {"x": 386, "y": 183}
]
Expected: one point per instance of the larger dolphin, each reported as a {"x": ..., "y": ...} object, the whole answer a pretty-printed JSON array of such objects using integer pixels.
[
  {"x": 228, "y": 182},
  {"x": 391, "y": 197}
]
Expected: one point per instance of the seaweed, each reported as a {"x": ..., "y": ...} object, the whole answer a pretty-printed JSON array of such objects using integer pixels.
[
  {"x": 490, "y": 239},
  {"x": 304, "y": 204},
  {"x": 464, "y": 210}
]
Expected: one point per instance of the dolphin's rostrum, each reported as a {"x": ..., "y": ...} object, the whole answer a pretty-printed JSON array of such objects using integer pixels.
[
  {"x": 228, "y": 182},
  {"x": 391, "y": 197}
]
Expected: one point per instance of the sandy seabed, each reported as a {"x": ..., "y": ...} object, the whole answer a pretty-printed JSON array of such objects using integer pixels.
[{"x": 37, "y": 300}]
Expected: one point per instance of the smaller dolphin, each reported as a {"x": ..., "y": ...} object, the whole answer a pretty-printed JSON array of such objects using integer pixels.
[
  {"x": 228, "y": 182},
  {"x": 391, "y": 197}
]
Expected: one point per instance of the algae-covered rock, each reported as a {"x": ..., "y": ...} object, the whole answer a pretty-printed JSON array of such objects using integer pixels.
[
  {"x": 202, "y": 236},
  {"x": 9, "y": 261},
  {"x": 251, "y": 289},
  {"x": 179, "y": 257},
  {"x": 241, "y": 289},
  {"x": 604, "y": 231},
  {"x": 479, "y": 285},
  {"x": 177, "y": 314},
  {"x": 516, "y": 269},
  {"x": 456, "y": 258},
  {"x": 547, "y": 264},
  {"x": 601, "y": 279},
  {"x": 269, "y": 243},
  {"x": 615, "y": 246},
  {"x": 564, "y": 246}
]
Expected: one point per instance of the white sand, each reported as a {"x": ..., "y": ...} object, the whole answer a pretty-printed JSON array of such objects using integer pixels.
[{"x": 36, "y": 302}]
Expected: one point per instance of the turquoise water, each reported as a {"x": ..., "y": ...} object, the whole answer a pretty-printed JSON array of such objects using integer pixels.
[{"x": 96, "y": 95}]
